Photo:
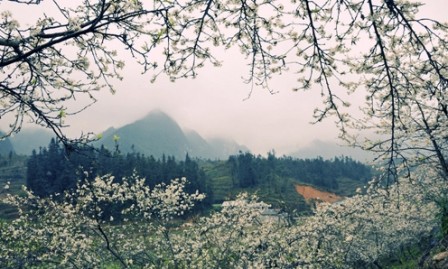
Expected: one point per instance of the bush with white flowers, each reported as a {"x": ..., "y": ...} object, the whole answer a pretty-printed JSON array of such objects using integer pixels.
[{"x": 75, "y": 229}]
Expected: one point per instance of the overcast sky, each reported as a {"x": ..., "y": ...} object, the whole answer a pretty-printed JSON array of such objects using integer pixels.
[{"x": 216, "y": 104}]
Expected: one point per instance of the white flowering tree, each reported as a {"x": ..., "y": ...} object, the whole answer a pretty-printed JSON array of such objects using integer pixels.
[
  {"x": 72, "y": 231},
  {"x": 78, "y": 47},
  {"x": 355, "y": 233}
]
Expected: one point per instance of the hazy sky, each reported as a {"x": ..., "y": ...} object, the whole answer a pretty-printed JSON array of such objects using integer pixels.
[{"x": 216, "y": 104}]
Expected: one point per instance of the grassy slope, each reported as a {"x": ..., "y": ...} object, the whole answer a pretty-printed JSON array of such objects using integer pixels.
[
  {"x": 220, "y": 180},
  {"x": 281, "y": 195}
]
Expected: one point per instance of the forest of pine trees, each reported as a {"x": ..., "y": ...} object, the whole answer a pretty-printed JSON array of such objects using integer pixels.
[
  {"x": 53, "y": 170},
  {"x": 248, "y": 170}
]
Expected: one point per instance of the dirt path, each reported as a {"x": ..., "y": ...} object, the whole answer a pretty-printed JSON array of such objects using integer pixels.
[{"x": 310, "y": 193}]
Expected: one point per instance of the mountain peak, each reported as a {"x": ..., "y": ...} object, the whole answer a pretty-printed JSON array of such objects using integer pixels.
[
  {"x": 157, "y": 133},
  {"x": 158, "y": 118},
  {"x": 157, "y": 113}
]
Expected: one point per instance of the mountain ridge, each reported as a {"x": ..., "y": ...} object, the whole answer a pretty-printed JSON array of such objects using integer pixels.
[{"x": 25, "y": 141}]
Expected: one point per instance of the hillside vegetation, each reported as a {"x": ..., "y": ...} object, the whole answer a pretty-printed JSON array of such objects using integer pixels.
[{"x": 52, "y": 170}]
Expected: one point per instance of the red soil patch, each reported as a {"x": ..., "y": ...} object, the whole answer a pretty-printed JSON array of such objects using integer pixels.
[{"x": 310, "y": 193}]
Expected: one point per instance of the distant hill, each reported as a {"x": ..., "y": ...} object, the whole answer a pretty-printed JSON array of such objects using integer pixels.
[
  {"x": 158, "y": 134},
  {"x": 226, "y": 147},
  {"x": 198, "y": 146},
  {"x": 28, "y": 139},
  {"x": 5, "y": 145},
  {"x": 328, "y": 150}
]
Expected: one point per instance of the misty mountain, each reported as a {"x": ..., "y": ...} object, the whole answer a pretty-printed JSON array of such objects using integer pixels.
[
  {"x": 328, "y": 150},
  {"x": 197, "y": 145},
  {"x": 5, "y": 145},
  {"x": 158, "y": 134},
  {"x": 226, "y": 147},
  {"x": 28, "y": 139}
]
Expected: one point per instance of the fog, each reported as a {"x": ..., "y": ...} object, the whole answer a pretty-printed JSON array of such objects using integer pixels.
[{"x": 219, "y": 103}]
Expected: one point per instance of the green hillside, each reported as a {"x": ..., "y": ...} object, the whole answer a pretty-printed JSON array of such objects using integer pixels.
[
  {"x": 218, "y": 174},
  {"x": 273, "y": 179}
]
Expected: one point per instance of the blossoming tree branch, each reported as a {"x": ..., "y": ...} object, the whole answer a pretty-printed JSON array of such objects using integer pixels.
[
  {"x": 79, "y": 48},
  {"x": 382, "y": 48}
]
